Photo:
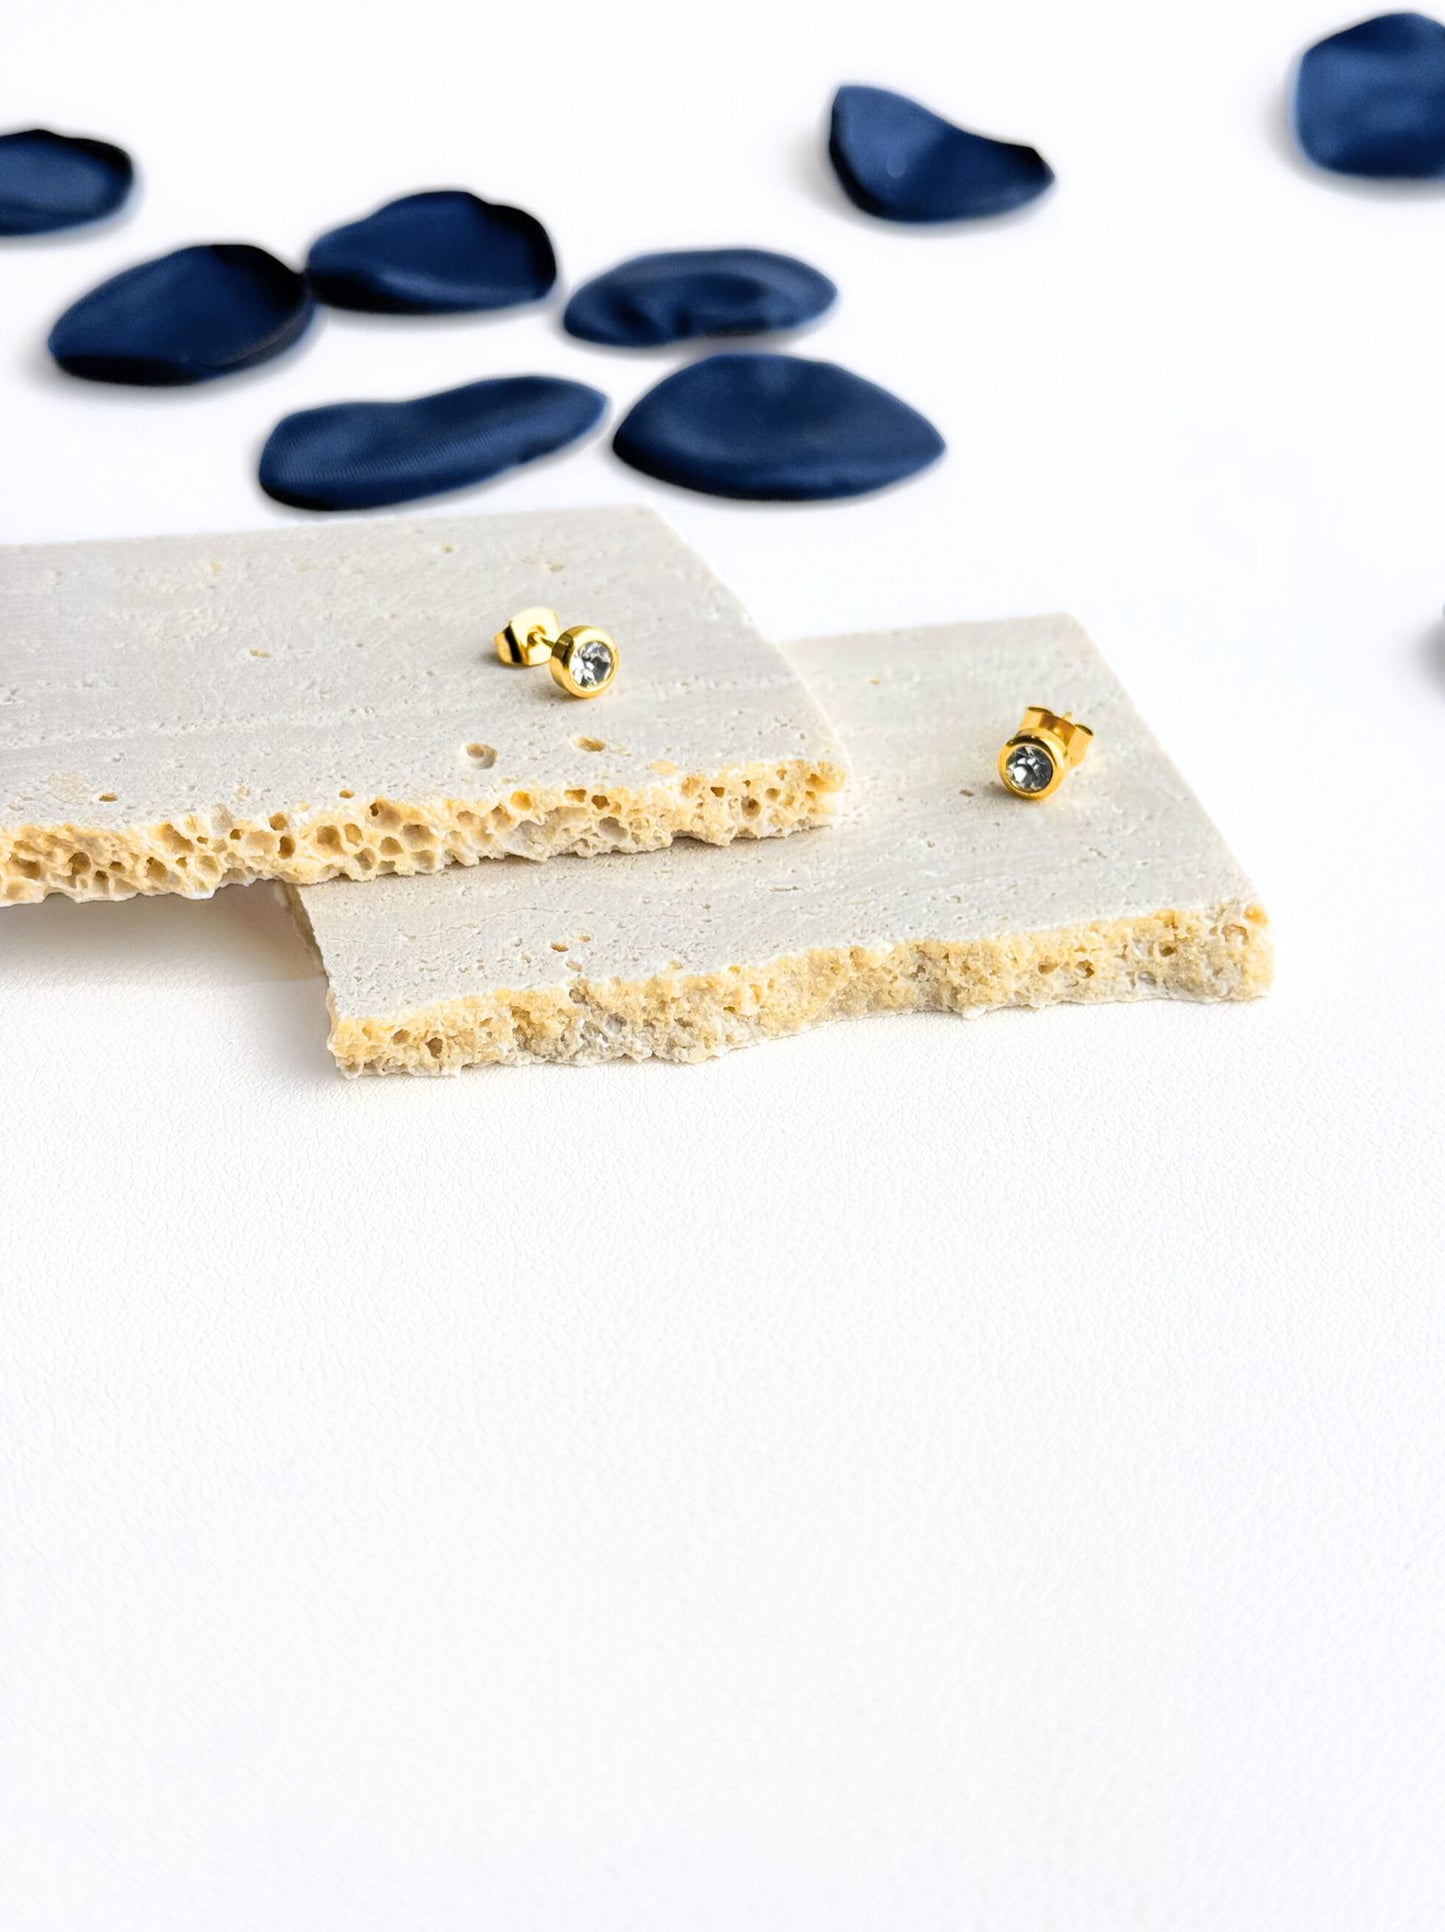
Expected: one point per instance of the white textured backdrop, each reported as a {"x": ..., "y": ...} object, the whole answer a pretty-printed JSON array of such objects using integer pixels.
[{"x": 921, "y": 1476}]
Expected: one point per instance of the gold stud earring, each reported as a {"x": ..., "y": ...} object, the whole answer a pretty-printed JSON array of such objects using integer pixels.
[
  {"x": 583, "y": 660},
  {"x": 1042, "y": 752}
]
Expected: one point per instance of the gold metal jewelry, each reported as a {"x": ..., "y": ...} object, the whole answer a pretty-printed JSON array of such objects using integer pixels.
[
  {"x": 1042, "y": 752},
  {"x": 583, "y": 660},
  {"x": 529, "y": 637}
]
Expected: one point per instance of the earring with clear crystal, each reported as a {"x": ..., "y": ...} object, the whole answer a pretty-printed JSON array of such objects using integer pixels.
[
  {"x": 1042, "y": 752},
  {"x": 583, "y": 660}
]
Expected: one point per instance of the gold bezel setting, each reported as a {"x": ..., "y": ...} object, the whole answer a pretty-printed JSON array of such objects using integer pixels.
[
  {"x": 578, "y": 650},
  {"x": 1062, "y": 740},
  {"x": 583, "y": 660},
  {"x": 1033, "y": 742}
]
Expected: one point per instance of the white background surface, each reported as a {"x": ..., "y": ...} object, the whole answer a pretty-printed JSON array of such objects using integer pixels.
[{"x": 921, "y": 1475}]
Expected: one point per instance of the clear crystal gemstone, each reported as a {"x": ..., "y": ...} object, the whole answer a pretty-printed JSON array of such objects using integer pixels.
[
  {"x": 591, "y": 663},
  {"x": 1029, "y": 768}
]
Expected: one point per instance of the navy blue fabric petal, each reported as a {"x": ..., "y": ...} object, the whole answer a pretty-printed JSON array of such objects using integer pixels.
[
  {"x": 905, "y": 163},
  {"x": 654, "y": 299},
  {"x": 358, "y": 455},
  {"x": 437, "y": 253},
  {"x": 1371, "y": 100},
  {"x": 52, "y": 181},
  {"x": 774, "y": 428},
  {"x": 186, "y": 317}
]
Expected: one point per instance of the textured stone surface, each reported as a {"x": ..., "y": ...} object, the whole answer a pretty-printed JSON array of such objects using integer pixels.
[
  {"x": 185, "y": 317},
  {"x": 936, "y": 889},
  {"x": 774, "y": 428},
  {"x": 323, "y": 702},
  {"x": 1371, "y": 100},
  {"x": 52, "y": 181},
  {"x": 435, "y": 253},
  {"x": 655, "y": 299},
  {"x": 360, "y": 455},
  {"x": 902, "y": 161}
]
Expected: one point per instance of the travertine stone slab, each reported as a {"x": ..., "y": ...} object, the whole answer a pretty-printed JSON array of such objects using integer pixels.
[
  {"x": 936, "y": 889},
  {"x": 305, "y": 704}
]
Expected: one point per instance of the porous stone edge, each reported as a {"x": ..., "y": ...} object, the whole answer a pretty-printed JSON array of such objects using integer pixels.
[
  {"x": 1219, "y": 953},
  {"x": 370, "y": 838}
]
